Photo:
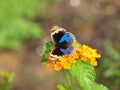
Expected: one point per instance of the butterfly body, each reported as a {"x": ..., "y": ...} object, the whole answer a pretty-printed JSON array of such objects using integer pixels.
[{"x": 63, "y": 42}]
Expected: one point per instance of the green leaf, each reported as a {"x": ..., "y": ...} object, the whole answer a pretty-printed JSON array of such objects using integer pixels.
[
  {"x": 62, "y": 87},
  {"x": 46, "y": 48},
  {"x": 85, "y": 75},
  {"x": 16, "y": 31},
  {"x": 76, "y": 44},
  {"x": 6, "y": 80},
  {"x": 10, "y": 77},
  {"x": 99, "y": 87}
]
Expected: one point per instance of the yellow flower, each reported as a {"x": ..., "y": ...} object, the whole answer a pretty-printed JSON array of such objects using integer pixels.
[
  {"x": 71, "y": 58},
  {"x": 64, "y": 62},
  {"x": 49, "y": 63},
  {"x": 82, "y": 52},
  {"x": 93, "y": 62},
  {"x": 57, "y": 66},
  {"x": 66, "y": 65},
  {"x": 86, "y": 53}
]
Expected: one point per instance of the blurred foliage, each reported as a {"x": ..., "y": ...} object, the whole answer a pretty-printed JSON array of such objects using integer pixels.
[
  {"x": 5, "y": 80},
  {"x": 10, "y": 9},
  {"x": 17, "y": 21},
  {"x": 110, "y": 66},
  {"x": 15, "y": 32}
]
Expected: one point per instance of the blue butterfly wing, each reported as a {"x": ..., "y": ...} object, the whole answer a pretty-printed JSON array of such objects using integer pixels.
[
  {"x": 66, "y": 38},
  {"x": 60, "y": 51},
  {"x": 68, "y": 50}
]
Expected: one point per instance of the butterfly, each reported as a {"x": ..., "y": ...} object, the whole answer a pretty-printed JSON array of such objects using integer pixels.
[{"x": 63, "y": 41}]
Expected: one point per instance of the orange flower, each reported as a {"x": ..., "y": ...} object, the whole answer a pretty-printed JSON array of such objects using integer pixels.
[
  {"x": 66, "y": 65},
  {"x": 93, "y": 62},
  {"x": 49, "y": 63},
  {"x": 83, "y": 52},
  {"x": 71, "y": 58},
  {"x": 57, "y": 66},
  {"x": 86, "y": 53}
]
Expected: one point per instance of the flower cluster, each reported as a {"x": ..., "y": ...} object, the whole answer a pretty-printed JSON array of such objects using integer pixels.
[
  {"x": 82, "y": 52},
  {"x": 86, "y": 53}
]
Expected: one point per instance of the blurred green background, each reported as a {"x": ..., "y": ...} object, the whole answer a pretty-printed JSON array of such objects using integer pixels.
[{"x": 25, "y": 27}]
